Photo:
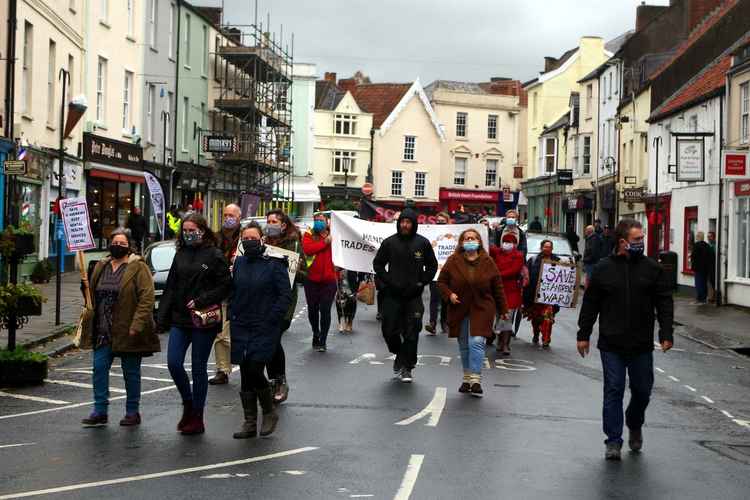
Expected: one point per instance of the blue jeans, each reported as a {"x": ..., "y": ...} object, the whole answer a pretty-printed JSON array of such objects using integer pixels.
[
  {"x": 131, "y": 370},
  {"x": 179, "y": 341},
  {"x": 701, "y": 287},
  {"x": 471, "y": 349},
  {"x": 640, "y": 371}
]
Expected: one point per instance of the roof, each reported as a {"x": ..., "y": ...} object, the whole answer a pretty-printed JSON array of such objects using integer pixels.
[
  {"x": 327, "y": 95},
  {"x": 560, "y": 122},
  {"x": 380, "y": 99},
  {"x": 414, "y": 90},
  {"x": 454, "y": 86},
  {"x": 616, "y": 43}
]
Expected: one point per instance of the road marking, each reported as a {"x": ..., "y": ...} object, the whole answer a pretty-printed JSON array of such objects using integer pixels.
[
  {"x": 515, "y": 365},
  {"x": 658, "y": 369},
  {"x": 743, "y": 423},
  {"x": 709, "y": 400},
  {"x": 434, "y": 409},
  {"x": 120, "y": 375},
  {"x": 34, "y": 398},
  {"x": 444, "y": 360},
  {"x": 156, "y": 475},
  {"x": 15, "y": 445},
  {"x": 361, "y": 496},
  {"x": 368, "y": 356},
  {"x": 410, "y": 478},
  {"x": 673, "y": 379},
  {"x": 80, "y": 384},
  {"x": 294, "y": 472},
  {"x": 727, "y": 414},
  {"x": 690, "y": 388}
]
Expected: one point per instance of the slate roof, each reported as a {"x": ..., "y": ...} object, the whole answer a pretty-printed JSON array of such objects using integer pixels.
[
  {"x": 327, "y": 95},
  {"x": 380, "y": 99}
]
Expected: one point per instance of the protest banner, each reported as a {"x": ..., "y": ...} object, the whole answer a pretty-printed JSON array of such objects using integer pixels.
[
  {"x": 157, "y": 199},
  {"x": 356, "y": 241},
  {"x": 558, "y": 284},
  {"x": 75, "y": 216}
]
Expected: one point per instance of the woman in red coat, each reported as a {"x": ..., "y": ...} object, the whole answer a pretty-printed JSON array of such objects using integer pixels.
[{"x": 509, "y": 261}]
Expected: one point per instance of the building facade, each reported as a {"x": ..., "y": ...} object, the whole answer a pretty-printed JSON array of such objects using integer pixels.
[{"x": 305, "y": 192}]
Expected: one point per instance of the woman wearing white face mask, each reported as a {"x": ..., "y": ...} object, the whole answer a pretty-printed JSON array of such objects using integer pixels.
[
  {"x": 511, "y": 226},
  {"x": 509, "y": 262}
]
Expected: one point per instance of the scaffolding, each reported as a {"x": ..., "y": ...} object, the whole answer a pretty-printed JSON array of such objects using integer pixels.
[{"x": 253, "y": 105}]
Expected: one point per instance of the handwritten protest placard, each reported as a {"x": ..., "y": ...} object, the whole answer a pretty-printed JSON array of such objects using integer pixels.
[
  {"x": 558, "y": 284},
  {"x": 75, "y": 216}
]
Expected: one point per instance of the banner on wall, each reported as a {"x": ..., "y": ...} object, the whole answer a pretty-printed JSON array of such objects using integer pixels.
[
  {"x": 157, "y": 199},
  {"x": 75, "y": 216},
  {"x": 356, "y": 241}
]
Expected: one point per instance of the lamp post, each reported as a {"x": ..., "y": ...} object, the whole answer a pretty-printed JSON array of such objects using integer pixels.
[
  {"x": 165, "y": 118},
  {"x": 65, "y": 77},
  {"x": 609, "y": 165},
  {"x": 346, "y": 164}
]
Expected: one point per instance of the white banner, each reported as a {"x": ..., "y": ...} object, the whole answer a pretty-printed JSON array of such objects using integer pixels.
[
  {"x": 157, "y": 199},
  {"x": 558, "y": 284},
  {"x": 356, "y": 241},
  {"x": 75, "y": 216}
]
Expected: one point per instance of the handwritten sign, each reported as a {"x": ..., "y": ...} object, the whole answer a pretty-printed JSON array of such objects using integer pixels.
[
  {"x": 558, "y": 284},
  {"x": 75, "y": 216},
  {"x": 291, "y": 257}
]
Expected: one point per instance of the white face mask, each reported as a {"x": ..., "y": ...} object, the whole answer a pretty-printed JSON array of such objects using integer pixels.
[{"x": 507, "y": 246}]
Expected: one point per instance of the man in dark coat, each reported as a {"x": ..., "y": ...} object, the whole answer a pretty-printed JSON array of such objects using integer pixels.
[
  {"x": 404, "y": 264},
  {"x": 572, "y": 237},
  {"x": 702, "y": 262},
  {"x": 628, "y": 292},
  {"x": 536, "y": 225},
  {"x": 137, "y": 225},
  {"x": 592, "y": 252}
]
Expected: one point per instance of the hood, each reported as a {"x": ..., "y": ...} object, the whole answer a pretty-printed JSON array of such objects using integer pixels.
[{"x": 412, "y": 216}]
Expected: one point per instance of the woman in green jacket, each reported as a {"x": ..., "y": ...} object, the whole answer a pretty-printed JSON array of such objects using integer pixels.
[{"x": 122, "y": 326}]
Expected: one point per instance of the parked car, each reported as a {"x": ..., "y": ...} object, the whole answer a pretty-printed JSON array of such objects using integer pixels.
[
  {"x": 560, "y": 245},
  {"x": 159, "y": 257}
]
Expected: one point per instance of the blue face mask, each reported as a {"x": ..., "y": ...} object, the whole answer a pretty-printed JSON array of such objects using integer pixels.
[
  {"x": 319, "y": 226},
  {"x": 636, "y": 249},
  {"x": 471, "y": 246},
  {"x": 192, "y": 238},
  {"x": 510, "y": 221}
]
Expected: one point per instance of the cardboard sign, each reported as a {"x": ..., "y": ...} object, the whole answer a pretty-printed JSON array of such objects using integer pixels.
[
  {"x": 291, "y": 257},
  {"x": 558, "y": 284},
  {"x": 75, "y": 216}
]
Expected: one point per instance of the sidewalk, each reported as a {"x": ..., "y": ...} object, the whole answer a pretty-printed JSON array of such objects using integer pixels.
[{"x": 726, "y": 327}]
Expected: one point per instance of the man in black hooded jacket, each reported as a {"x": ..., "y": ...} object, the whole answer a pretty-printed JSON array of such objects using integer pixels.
[{"x": 411, "y": 264}]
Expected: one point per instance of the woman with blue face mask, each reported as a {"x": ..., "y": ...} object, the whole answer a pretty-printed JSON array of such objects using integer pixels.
[
  {"x": 320, "y": 285},
  {"x": 471, "y": 284}
]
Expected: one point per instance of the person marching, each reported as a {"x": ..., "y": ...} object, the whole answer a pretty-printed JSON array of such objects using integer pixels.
[
  {"x": 411, "y": 264},
  {"x": 320, "y": 285},
  {"x": 509, "y": 261},
  {"x": 628, "y": 292},
  {"x": 436, "y": 301},
  {"x": 199, "y": 279},
  {"x": 260, "y": 300},
  {"x": 174, "y": 221},
  {"x": 281, "y": 232},
  {"x": 122, "y": 326},
  {"x": 470, "y": 281},
  {"x": 230, "y": 237},
  {"x": 542, "y": 316}
]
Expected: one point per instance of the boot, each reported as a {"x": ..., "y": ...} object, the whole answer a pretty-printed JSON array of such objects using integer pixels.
[
  {"x": 194, "y": 424},
  {"x": 187, "y": 410},
  {"x": 250, "y": 425},
  {"x": 280, "y": 390},
  {"x": 504, "y": 345},
  {"x": 270, "y": 417}
]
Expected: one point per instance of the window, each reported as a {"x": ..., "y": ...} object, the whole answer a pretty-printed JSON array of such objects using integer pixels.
[
  {"x": 172, "y": 29},
  {"x": 609, "y": 91},
  {"x": 589, "y": 99},
  {"x": 410, "y": 144},
  {"x": 131, "y": 18},
  {"x": 27, "y": 72},
  {"x": 345, "y": 124},
  {"x": 492, "y": 127},
  {"x": 461, "y": 119},
  {"x": 72, "y": 5},
  {"x": 343, "y": 161},
  {"x": 170, "y": 110},
  {"x": 152, "y": 23},
  {"x": 187, "y": 40},
  {"x": 71, "y": 71},
  {"x": 550, "y": 155},
  {"x": 459, "y": 175},
  {"x": 743, "y": 236},
  {"x": 202, "y": 121},
  {"x": 51, "y": 101},
  {"x": 490, "y": 173},
  {"x": 576, "y": 151},
  {"x": 127, "y": 90},
  {"x": 150, "y": 114},
  {"x": 535, "y": 102},
  {"x": 217, "y": 60},
  {"x": 104, "y": 10},
  {"x": 397, "y": 183},
  {"x": 745, "y": 113},
  {"x": 204, "y": 62},
  {"x": 586, "y": 155},
  {"x": 420, "y": 184},
  {"x": 101, "y": 85},
  {"x": 185, "y": 123}
]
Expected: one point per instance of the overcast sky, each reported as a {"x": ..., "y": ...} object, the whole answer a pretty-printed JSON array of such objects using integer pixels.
[{"x": 467, "y": 40}]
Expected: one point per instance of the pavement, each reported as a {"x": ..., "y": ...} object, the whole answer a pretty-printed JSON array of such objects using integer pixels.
[
  {"x": 349, "y": 431},
  {"x": 723, "y": 327}
]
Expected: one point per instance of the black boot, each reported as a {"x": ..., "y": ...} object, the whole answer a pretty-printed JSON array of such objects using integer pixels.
[
  {"x": 270, "y": 417},
  {"x": 250, "y": 425}
]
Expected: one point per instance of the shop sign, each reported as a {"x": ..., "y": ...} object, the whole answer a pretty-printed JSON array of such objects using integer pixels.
[
  {"x": 632, "y": 195},
  {"x": 219, "y": 144},
  {"x": 690, "y": 160},
  {"x": 742, "y": 188},
  {"x": 75, "y": 216},
  {"x": 735, "y": 163},
  {"x": 73, "y": 175},
  {"x": 469, "y": 195},
  {"x": 507, "y": 195},
  {"x": 14, "y": 167},
  {"x": 111, "y": 152},
  {"x": 564, "y": 177}
]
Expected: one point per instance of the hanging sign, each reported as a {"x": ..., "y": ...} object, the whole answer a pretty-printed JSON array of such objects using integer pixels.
[
  {"x": 632, "y": 195},
  {"x": 15, "y": 167},
  {"x": 219, "y": 144},
  {"x": 690, "y": 160},
  {"x": 157, "y": 199},
  {"x": 735, "y": 163},
  {"x": 75, "y": 216}
]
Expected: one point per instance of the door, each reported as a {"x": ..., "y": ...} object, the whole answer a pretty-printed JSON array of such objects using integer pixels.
[{"x": 690, "y": 228}]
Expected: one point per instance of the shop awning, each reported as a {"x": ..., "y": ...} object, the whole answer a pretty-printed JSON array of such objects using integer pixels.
[
  {"x": 305, "y": 190},
  {"x": 115, "y": 173}
]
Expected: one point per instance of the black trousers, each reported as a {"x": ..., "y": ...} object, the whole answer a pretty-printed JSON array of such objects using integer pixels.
[
  {"x": 402, "y": 322},
  {"x": 252, "y": 376},
  {"x": 436, "y": 300},
  {"x": 277, "y": 367}
]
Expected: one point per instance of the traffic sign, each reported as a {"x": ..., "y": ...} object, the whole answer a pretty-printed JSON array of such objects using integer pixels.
[
  {"x": 367, "y": 189},
  {"x": 15, "y": 167}
]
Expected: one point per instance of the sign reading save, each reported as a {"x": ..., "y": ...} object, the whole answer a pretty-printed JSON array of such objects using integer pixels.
[
  {"x": 75, "y": 216},
  {"x": 558, "y": 284}
]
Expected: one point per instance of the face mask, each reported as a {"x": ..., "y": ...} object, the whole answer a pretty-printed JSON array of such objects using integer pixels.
[
  {"x": 510, "y": 221},
  {"x": 192, "y": 238},
  {"x": 252, "y": 248},
  {"x": 118, "y": 251},
  {"x": 273, "y": 230},
  {"x": 471, "y": 246},
  {"x": 508, "y": 246},
  {"x": 231, "y": 222},
  {"x": 319, "y": 226},
  {"x": 636, "y": 249}
]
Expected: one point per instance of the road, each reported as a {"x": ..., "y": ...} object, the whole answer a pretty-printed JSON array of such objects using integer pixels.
[{"x": 350, "y": 431}]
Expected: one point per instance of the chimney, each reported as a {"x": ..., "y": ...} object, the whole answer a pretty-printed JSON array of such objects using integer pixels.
[
  {"x": 330, "y": 77},
  {"x": 549, "y": 63},
  {"x": 644, "y": 14},
  {"x": 348, "y": 84},
  {"x": 698, "y": 10}
]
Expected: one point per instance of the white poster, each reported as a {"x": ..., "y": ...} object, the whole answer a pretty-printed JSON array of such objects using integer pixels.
[
  {"x": 157, "y": 199},
  {"x": 272, "y": 251},
  {"x": 356, "y": 241},
  {"x": 75, "y": 216},
  {"x": 558, "y": 284},
  {"x": 690, "y": 160}
]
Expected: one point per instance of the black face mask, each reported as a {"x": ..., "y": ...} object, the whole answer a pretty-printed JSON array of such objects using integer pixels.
[
  {"x": 118, "y": 251},
  {"x": 252, "y": 248}
]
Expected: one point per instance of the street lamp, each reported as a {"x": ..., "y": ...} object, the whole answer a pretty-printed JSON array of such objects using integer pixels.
[{"x": 346, "y": 163}]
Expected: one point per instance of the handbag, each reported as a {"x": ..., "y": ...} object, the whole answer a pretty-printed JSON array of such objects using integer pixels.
[
  {"x": 208, "y": 317},
  {"x": 87, "y": 315},
  {"x": 366, "y": 292}
]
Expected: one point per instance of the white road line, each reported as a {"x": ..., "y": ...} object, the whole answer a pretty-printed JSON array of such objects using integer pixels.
[
  {"x": 727, "y": 414},
  {"x": 690, "y": 388},
  {"x": 673, "y": 379},
  {"x": 658, "y": 369},
  {"x": 434, "y": 409},
  {"x": 368, "y": 356},
  {"x": 80, "y": 384},
  {"x": 156, "y": 475},
  {"x": 743, "y": 423},
  {"x": 708, "y": 400},
  {"x": 410, "y": 478},
  {"x": 34, "y": 398},
  {"x": 16, "y": 445},
  {"x": 120, "y": 375}
]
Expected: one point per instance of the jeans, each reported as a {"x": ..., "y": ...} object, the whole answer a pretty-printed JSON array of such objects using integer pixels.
[
  {"x": 402, "y": 322},
  {"x": 131, "y": 370},
  {"x": 471, "y": 349},
  {"x": 701, "y": 287},
  {"x": 640, "y": 371},
  {"x": 320, "y": 297},
  {"x": 179, "y": 341}
]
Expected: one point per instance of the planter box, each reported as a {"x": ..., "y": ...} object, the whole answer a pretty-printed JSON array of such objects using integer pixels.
[
  {"x": 24, "y": 244},
  {"x": 19, "y": 373},
  {"x": 28, "y": 307}
]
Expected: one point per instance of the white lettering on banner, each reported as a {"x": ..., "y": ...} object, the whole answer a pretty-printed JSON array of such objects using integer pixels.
[
  {"x": 75, "y": 215},
  {"x": 558, "y": 284},
  {"x": 356, "y": 241},
  {"x": 157, "y": 199}
]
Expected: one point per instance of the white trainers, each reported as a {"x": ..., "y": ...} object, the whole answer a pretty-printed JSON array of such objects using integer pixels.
[{"x": 406, "y": 376}]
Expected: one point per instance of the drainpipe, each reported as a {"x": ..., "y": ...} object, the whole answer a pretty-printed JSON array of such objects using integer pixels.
[
  {"x": 10, "y": 80},
  {"x": 372, "y": 153},
  {"x": 719, "y": 240}
]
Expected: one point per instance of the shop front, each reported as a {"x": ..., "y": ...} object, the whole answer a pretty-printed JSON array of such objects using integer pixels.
[
  {"x": 738, "y": 243},
  {"x": 607, "y": 202},
  {"x": 25, "y": 203},
  {"x": 74, "y": 178},
  {"x": 191, "y": 183},
  {"x": 579, "y": 213},
  {"x": 544, "y": 197},
  {"x": 482, "y": 202},
  {"x": 6, "y": 147},
  {"x": 658, "y": 234}
]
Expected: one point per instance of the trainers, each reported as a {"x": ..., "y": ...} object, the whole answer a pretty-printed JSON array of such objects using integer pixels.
[
  {"x": 406, "y": 376},
  {"x": 95, "y": 420},
  {"x": 635, "y": 440},
  {"x": 131, "y": 419},
  {"x": 476, "y": 390},
  {"x": 322, "y": 348},
  {"x": 613, "y": 451},
  {"x": 396, "y": 369}
]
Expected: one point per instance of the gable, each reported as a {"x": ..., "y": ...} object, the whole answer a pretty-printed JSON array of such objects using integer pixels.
[
  {"x": 415, "y": 91},
  {"x": 348, "y": 104}
]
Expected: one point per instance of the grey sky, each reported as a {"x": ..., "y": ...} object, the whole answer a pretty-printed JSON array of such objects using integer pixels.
[{"x": 470, "y": 40}]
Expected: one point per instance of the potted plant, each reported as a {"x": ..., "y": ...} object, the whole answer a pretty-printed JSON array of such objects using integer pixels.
[
  {"x": 25, "y": 300},
  {"x": 21, "y": 367},
  {"x": 18, "y": 241},
  {"x": 42, "y": 272}
]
